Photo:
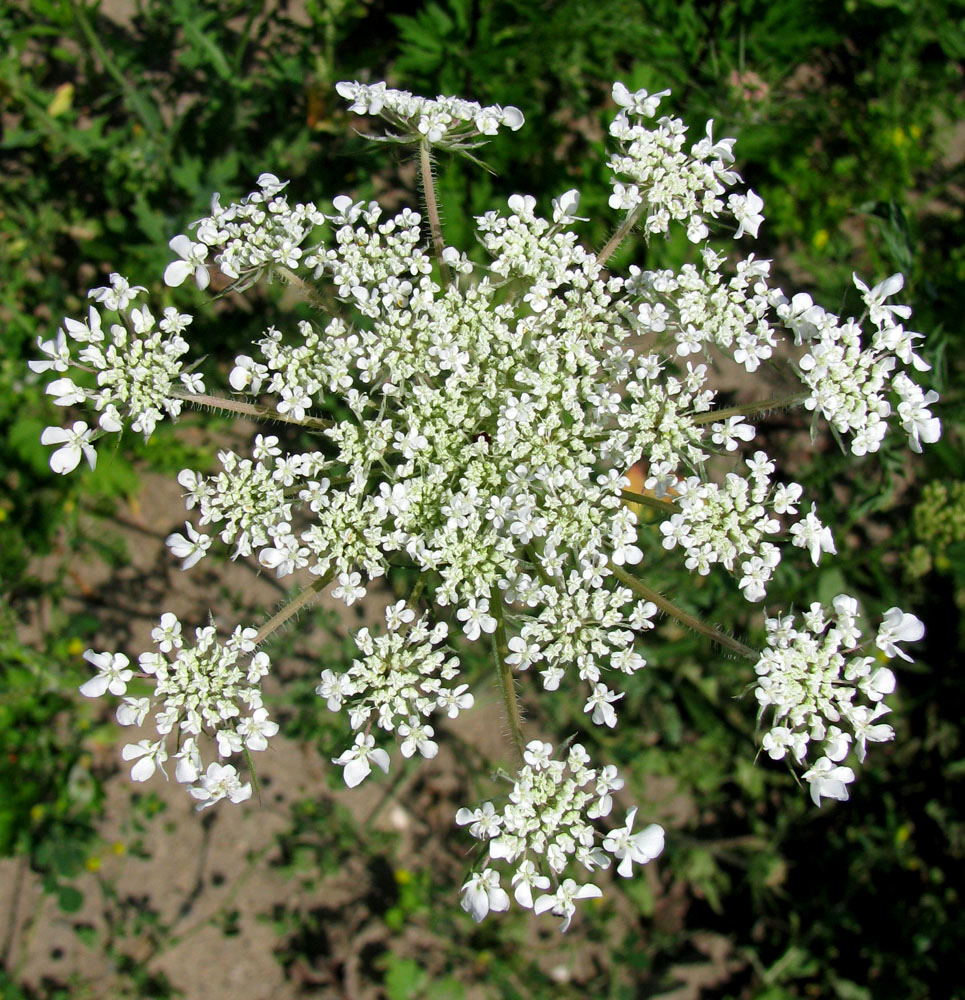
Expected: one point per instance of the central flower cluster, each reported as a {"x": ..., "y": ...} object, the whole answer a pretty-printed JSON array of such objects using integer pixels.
[{"x": 489, "y": 413}]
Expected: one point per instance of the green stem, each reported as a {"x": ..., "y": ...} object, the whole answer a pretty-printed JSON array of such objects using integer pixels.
[
  {"x": 305, "y": 597},
  {"x": 505, "y": 673},
  {"x": 310, "y": 294},
  {"x": 413, "y": 601},
  {"x": 247, "y": 409},
  {"x": 669, "y": 608},
  {"x": 251, "y": 771},
  {"x": 432, "y": 210},
  {"x": 620, "y": 235},
  {"x": 664, "y": 506},
  {"x": 778, "y": 403}
]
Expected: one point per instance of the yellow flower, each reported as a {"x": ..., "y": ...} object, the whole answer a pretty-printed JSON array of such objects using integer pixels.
[
  {"x": 820, "y": 239},
  {"x": 63, "y": 100}
]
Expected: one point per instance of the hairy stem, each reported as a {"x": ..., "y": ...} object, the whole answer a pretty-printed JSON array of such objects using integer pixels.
[
  {"x": 432, "y": 210},
  {"x": 778, "y": 403},
  {"x": 620, "y": 235},
  {"x": 310, "y": 294},
  {"x": 247, "y": 409},
  {"x": 691, "y": 622},
  {"x": 505, "y": 673},
  {"x": 413, "y": 601},
  {"x": 305, "y": 597}
]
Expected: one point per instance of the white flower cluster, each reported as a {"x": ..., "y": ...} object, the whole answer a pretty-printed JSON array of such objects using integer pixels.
[
  {"x": 811, "y": 679},
  {"x": 698, "y": 307},
  {"x": 848, "y": 380},
  {"x": 137, "y": 367},
  {"x": 720, "y": 523},
  {"x": 207, "y": 692},
  {"x": 400, "y": 681},
  {"x": 544, "y": 828},
  {"x": 444, "y": 121},
  {"x": 490, "y": 415},
  {"x": 588, "y": 629},
  {"x": 372, "y": 253},
  {"x": 672, "y": 185},
  {"x": 246, "y": 499},
  {"x": 249, "y": 237}
]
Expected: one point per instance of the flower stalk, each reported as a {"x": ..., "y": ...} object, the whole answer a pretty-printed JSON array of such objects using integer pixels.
[
  {"x": 432, "y": 209},
  {"x": 504, "y": 673},
  {"x": 623, "y": 231},
  {"x": 253, "y": 410},
  {"x": 686, "y": 619},
  {"x": 748, "y": 409},
  {"x": 292, "y": 608}
]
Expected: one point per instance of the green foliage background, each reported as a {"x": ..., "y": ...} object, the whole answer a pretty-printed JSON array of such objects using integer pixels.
[{"x": 848, "y": 119}]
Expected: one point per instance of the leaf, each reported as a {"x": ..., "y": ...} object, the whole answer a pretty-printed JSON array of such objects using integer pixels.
[
  {"x": 642, "y": 895},
  {"x": 446, "y": 989},
  {"x": 405, "y": 979},
  {"x": 187, "y": 173},
  {"x": 67, "y": 857},
  {"x": 24, "y": 440},
  {"x": 846, "y": 989},
  {"x": 69, "y": 899},
  {"x": 112, "y": 477},
  {"x": 201, "y": 41}
]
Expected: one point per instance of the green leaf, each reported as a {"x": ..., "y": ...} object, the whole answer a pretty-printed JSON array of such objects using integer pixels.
[
  {"x": 203, "y": 42},
  {"x": 405, "y": 979},
  {"x": 69, "y": 899},
  {"x": 113, "y": 476},
  {"x": 24, "y": 440},
  {"x": 642, "y": 895},
  {"x": 446, "y": 989}
]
